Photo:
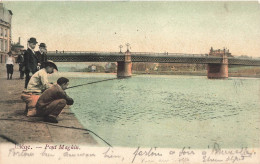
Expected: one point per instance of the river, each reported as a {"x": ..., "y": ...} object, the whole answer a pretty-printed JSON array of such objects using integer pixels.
[{"x": 168, "y": 111}]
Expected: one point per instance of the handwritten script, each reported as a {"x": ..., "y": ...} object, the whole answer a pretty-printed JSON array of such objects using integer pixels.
[{"x": 215, "y": 154}]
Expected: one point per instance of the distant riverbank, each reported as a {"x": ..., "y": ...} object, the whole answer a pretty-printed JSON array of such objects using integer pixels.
[{"x": 204, "y": 73}]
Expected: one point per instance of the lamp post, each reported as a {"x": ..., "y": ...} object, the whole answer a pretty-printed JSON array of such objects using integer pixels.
[
  {"x": 127, "y": 45},
  {"x": 120, "y": 46}
]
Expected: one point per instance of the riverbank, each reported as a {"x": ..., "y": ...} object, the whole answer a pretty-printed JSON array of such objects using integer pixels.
[{"x": 17, "y": 128}]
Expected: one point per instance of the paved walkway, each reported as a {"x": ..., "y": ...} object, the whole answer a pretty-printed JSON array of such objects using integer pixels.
[{"x": 16, "y": 127}]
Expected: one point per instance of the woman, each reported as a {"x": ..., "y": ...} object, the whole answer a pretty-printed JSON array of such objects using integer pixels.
[{"x": 9, "y": 65}]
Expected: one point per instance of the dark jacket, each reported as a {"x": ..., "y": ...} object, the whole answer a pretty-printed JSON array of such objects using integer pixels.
[
  {"x": 41, "y": 57},
  {"x": 30, "y": 61},
  {"x": 20, "y": 59},
  {"x": 53, "y": 93}
]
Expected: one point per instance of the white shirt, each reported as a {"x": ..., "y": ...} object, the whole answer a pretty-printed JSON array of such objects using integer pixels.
[
  {"x": 38, "y": 82},
  {"x": 31, "y": 49},
  {"x": 10, "y": 60}
]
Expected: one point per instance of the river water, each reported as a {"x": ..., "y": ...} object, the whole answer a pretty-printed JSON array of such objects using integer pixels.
[{"x": 168, "y": 111}]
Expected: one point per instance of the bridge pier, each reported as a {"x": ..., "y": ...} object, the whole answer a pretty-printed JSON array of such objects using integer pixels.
[
  {"x": 124, "y": 68},
  {"x": 218, "y": 71}
]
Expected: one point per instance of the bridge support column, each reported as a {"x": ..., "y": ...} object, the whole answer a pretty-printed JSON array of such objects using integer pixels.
[
  {"x": 218, "y": 71},
  {"x": 124, "y": 68}
]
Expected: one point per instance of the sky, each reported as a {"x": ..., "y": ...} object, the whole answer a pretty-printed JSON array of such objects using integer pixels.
[{"x": 174, "y": 27}]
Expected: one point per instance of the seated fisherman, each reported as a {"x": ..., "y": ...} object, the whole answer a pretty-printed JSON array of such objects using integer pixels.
[
  {"x": 37, "y": 84},
  {"x": 53, "y": 100}
]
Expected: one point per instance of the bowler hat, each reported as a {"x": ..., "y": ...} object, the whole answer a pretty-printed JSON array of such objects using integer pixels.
[
  {"x": 32, "y": 40},
  {"x": 42, "y": 45},
  {"x": 51, "y": 64}
]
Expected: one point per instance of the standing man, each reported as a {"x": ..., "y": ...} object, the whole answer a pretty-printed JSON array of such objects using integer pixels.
[
  {"x": 30, "y": 60},
  {"x": 41, "y": 54}
]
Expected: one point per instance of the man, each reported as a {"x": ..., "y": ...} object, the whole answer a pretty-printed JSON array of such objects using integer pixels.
[
  {"x": 30, "y": 60},
  {"x": 41, "y": 54},
  {"x": 36, "y": 86},
  {"x": 53, "y": 100},
  {"x": 20, "y": 61}
]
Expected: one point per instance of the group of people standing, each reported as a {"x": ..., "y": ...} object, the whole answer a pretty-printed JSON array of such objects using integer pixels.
[
  {"x": 33, "y": 61},
  {"x": 29, "y": 61},
  {"x": 42, "y": 98}
]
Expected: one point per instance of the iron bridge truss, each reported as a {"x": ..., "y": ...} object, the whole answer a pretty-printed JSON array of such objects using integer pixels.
[{"x": 148, "y": 57}]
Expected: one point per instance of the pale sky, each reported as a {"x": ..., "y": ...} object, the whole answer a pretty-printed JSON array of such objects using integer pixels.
[{"x": 177, "y": 27}]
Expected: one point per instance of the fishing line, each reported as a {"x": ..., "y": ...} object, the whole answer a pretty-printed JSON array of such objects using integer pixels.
[
  {"x": 91, "y": 83},
  {"x": 10, "y": 140},
  {"x": 95, "y": 82}
]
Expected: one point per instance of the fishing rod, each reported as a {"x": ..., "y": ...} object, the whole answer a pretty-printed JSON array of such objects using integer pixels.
[
  {"x": 91, "y": 83},
  {"x": 95, "y": 82}
]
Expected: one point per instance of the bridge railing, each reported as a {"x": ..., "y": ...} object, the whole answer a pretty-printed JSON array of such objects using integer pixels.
[
  {"x": 81, "y": 52},
  {"x": 155, "y": 54},
  {"x": 166, "y": 54}
]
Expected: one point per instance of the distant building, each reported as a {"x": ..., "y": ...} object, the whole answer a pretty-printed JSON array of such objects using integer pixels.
[
  {"x": 219, "y": 52},
  {"x": 93, "y": 68},
  {"x": 17, "y": 47},
  {"x": 5, "y": 31},
  {"x": 110, "y": 67}
]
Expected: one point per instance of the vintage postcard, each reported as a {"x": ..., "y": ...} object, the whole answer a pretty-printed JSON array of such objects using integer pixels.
[{"x": 155, "y": 82}]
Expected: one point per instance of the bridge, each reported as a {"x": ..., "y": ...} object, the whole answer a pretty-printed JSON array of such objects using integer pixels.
[{"x": 217, "y": 60}]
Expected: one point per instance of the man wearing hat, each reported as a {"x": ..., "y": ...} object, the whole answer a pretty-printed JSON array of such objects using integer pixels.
[
  {"x": 30, "y": 60},
  {"x": 41, "y": 54},
  {"x": 36, "y": 86}
]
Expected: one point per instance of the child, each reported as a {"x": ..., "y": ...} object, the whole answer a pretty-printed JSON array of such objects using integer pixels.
[{"x": 9, "y": 65}]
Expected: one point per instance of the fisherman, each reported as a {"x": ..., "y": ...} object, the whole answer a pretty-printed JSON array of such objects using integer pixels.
[
  {"x": 41, "y": 54},
  {"x": 30, "y": 61},
  {"x": 53, "y": 100},
  {"x": 36, "y": 86}
]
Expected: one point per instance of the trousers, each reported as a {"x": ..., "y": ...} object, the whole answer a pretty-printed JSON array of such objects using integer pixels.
[
  {"x": 53, "y": 109},
  {"x": 30, "y": 100},
  {"x": 27, "y": 79},
  {"x": 10, "y": 68}
]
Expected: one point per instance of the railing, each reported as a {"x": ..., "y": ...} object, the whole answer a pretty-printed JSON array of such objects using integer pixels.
[
  {"x": 82, "y": 52},
  {"x": 146, "y": 54},
  {"x": 166, "y": 54}
]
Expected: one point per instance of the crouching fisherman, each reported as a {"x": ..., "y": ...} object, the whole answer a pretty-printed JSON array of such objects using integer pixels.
[
  {"x": 36, "y": 86},
  {"x": 53, "y": 100}
]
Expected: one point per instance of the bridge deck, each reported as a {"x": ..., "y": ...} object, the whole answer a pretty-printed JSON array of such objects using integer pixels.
[{"x": 147, "y": 57}]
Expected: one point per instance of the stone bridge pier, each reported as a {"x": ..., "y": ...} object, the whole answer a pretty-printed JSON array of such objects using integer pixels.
[
  {"x": 124, "y": 68},
  {"x": 218, "y": 71}
]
